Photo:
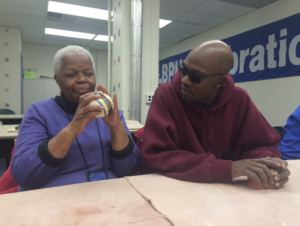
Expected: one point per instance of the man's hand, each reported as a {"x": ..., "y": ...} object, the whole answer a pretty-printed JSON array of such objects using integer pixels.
[
  {"x": 258, "y": 170},
  {"x": 283, "y": 172}
]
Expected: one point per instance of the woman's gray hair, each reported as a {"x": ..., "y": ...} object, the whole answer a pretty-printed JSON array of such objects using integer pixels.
[{"x": 68, "y": 51}]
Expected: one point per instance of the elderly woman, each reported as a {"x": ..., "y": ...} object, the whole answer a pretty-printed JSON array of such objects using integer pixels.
[{"x": 62, "y": 142}]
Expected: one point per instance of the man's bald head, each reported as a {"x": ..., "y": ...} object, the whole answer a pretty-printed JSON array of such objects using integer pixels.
[{"x": 214, "y": 54}]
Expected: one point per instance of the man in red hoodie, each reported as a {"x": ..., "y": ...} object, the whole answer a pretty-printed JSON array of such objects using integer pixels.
[{"x": 201, "y": 128}]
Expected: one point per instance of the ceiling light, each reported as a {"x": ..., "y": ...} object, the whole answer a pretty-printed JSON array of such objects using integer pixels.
[
  {"x": 163, "y": 23},
  {"x": 103, "y": 38},
  {"x": 76, "y": 10},
  {"x": 72, "y": 34}
]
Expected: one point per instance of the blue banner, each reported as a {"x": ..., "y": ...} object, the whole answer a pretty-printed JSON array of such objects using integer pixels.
[{"x": 267, "y": 52}]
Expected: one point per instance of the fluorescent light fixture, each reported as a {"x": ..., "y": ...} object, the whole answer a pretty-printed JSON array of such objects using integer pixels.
[
  {"x": 72, "y": 34},
  {"x": 76, "y": 10},
  {"x": 163, "y": 23},
  {"x": 103, "y": 38}
]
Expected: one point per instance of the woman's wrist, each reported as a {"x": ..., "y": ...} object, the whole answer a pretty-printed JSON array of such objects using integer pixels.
[
  {"x": 119, "y": 138},
  {"x": 71, "y": 131},
  {"x": 117, "y": 127}
]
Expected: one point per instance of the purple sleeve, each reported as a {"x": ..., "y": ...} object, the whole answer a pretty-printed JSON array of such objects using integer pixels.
[
  {"x": 27, "y": 168},
  {"x": 128, "y": 162}
]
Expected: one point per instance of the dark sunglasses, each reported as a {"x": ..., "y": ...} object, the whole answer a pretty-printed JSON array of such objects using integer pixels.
[{"x": 194, "y": 78}]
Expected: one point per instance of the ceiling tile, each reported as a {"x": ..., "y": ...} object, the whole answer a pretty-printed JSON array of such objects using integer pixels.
[
  {"x": 32, "y": 35},
  {"x": 23, "y": 12},
  {"x": 71, "y": 41},
  {"x": 167, "y": 13},
  {"x": 163, "y": 45},
  {"x": 30, "y": 4},
  {"x": 203, "y": 19},
  {"x": 21, "y": 20},
  {"x": 52, "y": 42},
  {"x": 250, "y": 3},
  {"x": 179, "y": 4},
  {"x": 191, "y": 28},
  {"x": 71, "y": 27},
  {"x": 218, "y": 8},
  {"x": 32, "y": 40},
  {"x": 34, "y": 29},
  {"x": 98, "y": 45},
  {"x": 169, "y": 39},
  {"x": 90, "y": 22},
  {"x": 172, "y": 33},
  {"x": 104, "y": 30}
]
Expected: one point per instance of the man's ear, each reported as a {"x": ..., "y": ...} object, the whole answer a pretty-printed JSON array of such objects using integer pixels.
[{"x": 221, "y": 81}]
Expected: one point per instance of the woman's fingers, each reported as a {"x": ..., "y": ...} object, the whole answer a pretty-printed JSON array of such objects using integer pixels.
[
  {"x": 115, "y": 102},
  {"x": 85, "y": 99},
  {"x": 89, "y": 108},
  {"x": 102, "y": 89}
]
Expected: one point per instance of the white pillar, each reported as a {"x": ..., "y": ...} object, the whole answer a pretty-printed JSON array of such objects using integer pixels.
[
  {"x": 150, "y": 52},
  {"x": 109, "y": 53},
  {"x": 121, "y": 60}
]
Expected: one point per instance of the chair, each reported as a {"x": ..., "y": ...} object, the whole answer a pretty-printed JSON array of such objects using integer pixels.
[
  {"x": 7, "y": 183},
  {"x": 6, "y": 111},
  {"x": 279, "y": 130},
  {"x": 139, "y": 135}
]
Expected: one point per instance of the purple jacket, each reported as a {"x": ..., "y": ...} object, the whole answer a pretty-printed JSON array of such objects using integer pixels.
[{"x": 44, "y": 120}]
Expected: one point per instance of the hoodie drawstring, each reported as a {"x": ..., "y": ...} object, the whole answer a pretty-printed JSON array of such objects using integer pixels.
[
  {"x": 211, "y": 130},
  {"x": 203, "y": 130}
]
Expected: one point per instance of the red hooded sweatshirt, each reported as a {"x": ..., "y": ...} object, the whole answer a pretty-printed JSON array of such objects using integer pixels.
[{"x": 186, "y": 141}]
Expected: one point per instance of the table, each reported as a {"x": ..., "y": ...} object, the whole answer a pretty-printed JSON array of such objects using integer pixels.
[
  {"x": 11, "y": 119},
  {"x": 155, "y": 200},
  {"x": 133, "y": 126},
  {"x": 232, "y": 204},
  {"x": 112, "y": 202},
  {"x": 7, "y": 142}
]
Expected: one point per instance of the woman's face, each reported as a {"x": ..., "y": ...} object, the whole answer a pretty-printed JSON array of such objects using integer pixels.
[{"x": 76, "y": 77}]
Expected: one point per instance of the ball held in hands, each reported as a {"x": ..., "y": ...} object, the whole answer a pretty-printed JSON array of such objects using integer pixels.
[{"x": 105, "y": 101}]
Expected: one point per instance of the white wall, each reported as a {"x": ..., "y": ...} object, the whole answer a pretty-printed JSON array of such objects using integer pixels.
[
  {"x": 275, "y": 98},
  {"x": 10, "y": 69},
  {"x": 41, "y": 57}
]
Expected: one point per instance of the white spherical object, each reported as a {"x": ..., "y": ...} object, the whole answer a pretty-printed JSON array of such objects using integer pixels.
[{"x": 105, "y": 101}]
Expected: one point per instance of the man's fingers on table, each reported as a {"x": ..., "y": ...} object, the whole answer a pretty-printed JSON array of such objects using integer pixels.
[
  {"x": 283, "y": 163},
  {"x": 283, "y": 175},
  {"x": 252, "y": 175},
  {"x": 261, "y": 174},
  {"x": 280, "y": 184},
  {"x": 268, "y": 162},
  {"x": 267, "y": 172}
]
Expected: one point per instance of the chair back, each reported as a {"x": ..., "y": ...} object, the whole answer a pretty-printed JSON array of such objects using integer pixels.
[{"x": 6, "y": 111}]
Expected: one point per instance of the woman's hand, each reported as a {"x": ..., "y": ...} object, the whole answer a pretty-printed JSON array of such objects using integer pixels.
[
  {"x": 84, "y": 113},
  {"x": 112, "y": 119},
  {"x": 118, "y": 135}
]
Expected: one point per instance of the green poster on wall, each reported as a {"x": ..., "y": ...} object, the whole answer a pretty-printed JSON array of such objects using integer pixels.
[{"x": 29, "y": 75}]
